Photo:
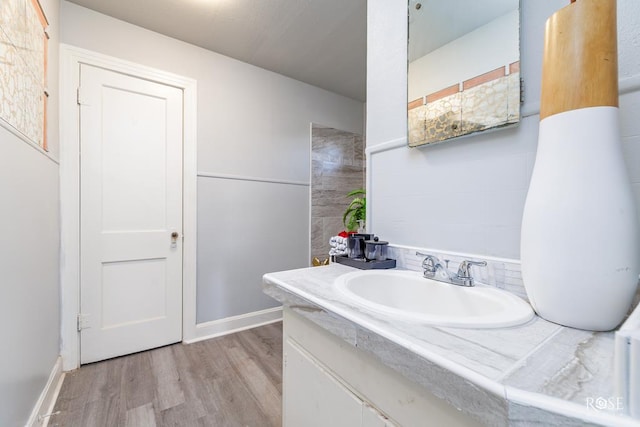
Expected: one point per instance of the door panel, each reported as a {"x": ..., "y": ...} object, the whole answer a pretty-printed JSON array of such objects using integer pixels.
[
  {"x": 131, "y": 203},
  {"x": 128, "y": 292},
  {"x": 133, "y": 189}
]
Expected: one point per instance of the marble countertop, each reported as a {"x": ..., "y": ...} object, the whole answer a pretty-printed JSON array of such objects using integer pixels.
[{"x": 538, "y": 373}]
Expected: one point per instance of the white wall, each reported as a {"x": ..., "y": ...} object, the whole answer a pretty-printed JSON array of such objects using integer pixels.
[
  {"x": 251, "y": 123},
  {"x": 29, "y": 257},
  {"x": 493, "y": 45},
  {"x": 468, "y": 195}
]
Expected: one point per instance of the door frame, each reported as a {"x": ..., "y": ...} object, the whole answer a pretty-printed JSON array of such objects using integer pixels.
[{"x": 71, "y": 58}]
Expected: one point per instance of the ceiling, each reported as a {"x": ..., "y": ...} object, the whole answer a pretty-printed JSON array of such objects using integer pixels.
[{"x": 319, "y": 42}]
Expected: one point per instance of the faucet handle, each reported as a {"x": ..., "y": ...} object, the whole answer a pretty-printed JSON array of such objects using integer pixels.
[
  {"x": 429, "y": 264},
  {"x": 464, "y": 271}
]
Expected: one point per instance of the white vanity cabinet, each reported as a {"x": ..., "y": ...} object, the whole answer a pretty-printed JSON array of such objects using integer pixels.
[{"x": 329, "y": 382}]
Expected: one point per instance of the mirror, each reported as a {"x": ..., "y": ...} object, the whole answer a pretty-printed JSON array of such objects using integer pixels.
[{"x": 464, "y": 68}]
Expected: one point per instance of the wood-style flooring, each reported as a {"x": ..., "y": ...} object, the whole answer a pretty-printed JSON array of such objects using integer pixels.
[{"x": 235, "y": 380}]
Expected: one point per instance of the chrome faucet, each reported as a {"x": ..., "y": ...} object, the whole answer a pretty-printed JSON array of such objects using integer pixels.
[{"x": 433, "y": 269}]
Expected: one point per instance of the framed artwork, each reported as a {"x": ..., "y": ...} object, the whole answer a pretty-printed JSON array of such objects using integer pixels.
[{"x": 23, "y": 69}]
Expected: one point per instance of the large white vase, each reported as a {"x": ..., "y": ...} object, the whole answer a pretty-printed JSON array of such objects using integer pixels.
[{"x": 580, "y": 247}]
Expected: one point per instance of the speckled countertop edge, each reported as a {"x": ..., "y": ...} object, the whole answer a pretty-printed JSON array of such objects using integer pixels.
[{"x": 526, "y": 402}]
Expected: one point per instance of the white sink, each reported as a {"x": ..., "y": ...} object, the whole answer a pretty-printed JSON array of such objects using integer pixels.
[{"x": 409, "y": 296}]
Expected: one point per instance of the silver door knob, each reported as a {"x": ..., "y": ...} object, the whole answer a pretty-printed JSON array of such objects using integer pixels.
[{"x": 174, "y": 236}]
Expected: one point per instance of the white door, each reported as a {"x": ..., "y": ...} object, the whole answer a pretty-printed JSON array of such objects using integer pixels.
[{"x": 130, "y": 214}]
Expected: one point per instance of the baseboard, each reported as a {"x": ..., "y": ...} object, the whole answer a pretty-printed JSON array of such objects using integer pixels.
[
  {"x": 47, "y": 400},
  {"x": 229, "y": 325}
]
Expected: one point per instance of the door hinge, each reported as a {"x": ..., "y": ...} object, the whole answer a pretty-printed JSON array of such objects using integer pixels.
[
  {"x": 83, "y": 322},
  {"x": 521, "y": 90},
  {"x": 81, "y": 97}
]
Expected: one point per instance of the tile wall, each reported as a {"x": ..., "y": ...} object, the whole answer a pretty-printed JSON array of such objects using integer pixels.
[
  {"x": 463, "y": 108},
  {"x": 337, "y": 167}
]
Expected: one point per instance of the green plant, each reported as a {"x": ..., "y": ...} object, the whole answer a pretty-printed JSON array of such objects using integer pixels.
[{"x": 356, "y": 211}]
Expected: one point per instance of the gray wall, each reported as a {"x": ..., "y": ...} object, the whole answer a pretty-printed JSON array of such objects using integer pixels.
[
  {"x": 251, "y": 123},
  {"x": 468, "y": 195},
  {"x": 29, "y": 257}
]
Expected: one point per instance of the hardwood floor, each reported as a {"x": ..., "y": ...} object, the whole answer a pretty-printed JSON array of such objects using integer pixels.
[{"x": 235, "y": 380}]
